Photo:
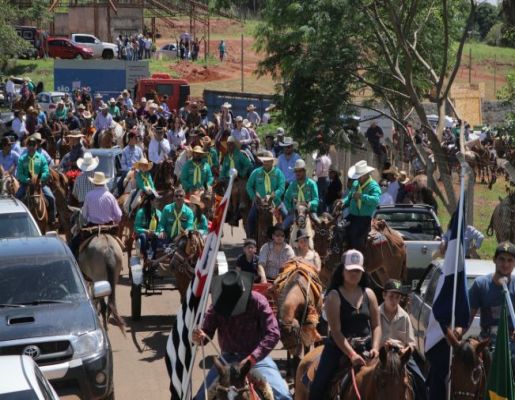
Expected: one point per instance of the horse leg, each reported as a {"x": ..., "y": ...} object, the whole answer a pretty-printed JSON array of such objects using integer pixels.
[{"x": 112, "y": 276}]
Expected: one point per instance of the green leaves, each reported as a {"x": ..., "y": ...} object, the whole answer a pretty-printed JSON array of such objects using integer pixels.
[{"x": 11, "y": 45}]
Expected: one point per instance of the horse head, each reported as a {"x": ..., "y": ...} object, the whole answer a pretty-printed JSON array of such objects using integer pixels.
[
  {"x": 193, "y": 245},
  {"x": 264, "y": 203},
  {"x": 390, "y": 375},
  {"x": 301, "y": 214},
  {"x": 232, "y": 381},
  {"x": 75, "y": 218},
  {"x": 323, "y": 233},
  {"x": 469, "y": 367}
]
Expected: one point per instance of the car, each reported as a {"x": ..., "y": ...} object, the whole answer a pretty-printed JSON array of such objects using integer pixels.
[
  {"x": 16, "y": 220},
  {"x": 100, "y": 49},
  {"x": 109, "y": 163},
  {"x": 61, "y": 47},
  {"x": 48, "y": 100},
  {"x": 421, "y": 231},
  {"x": 46, "y": 312},
  {"x": 26, "y": 381},
  {"x": 421, "y": 299},
  {"x": 167, "y": 51}
]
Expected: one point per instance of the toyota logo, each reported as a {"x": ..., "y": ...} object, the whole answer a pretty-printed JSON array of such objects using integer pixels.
[{"x": 32, "y": 351}]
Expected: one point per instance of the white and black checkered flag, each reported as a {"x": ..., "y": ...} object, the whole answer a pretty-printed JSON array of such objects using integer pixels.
[{"x": 180, "y": 351}]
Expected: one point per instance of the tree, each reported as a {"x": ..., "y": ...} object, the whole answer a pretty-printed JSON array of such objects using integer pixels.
[
  {"x": 38, "y": 13},
  {"x": 486, "y": 16},
  {"x": 11, "y": 45}
]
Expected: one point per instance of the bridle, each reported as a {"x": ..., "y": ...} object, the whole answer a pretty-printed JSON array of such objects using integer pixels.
[
  {"x": 34, "y": 203},
  {"x": 477, "y": 377},
  {"x": 232, "y": 391}
]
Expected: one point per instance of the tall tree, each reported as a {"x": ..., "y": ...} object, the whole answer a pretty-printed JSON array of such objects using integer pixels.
[{"x": 11, "y": 45}]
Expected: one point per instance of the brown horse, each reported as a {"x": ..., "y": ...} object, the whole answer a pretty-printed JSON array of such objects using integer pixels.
[
  {"x": 265, "y": 218},
  {"x": 239, "y": 383},
  {"x": 299, "y": 297},
  {"x": 25, "y": 104},
  {"x": 322, "y": 241},
  {"x": 9, "y": 185},
  {"x": 189, "y": 247},
  {"x": 500, "y": 220},
  {"x": 386, "y": 374},
  {"x": 106, "y": 138},
  {"x": 58, "y": 183},
  {"x": 35, "y": 201},
  {"x": 469, "y": 368},
  {"x": 302, "y": 220},
  {"x": 163, "y": 175}
]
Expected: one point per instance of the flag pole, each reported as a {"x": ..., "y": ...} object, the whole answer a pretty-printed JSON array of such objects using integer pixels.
[
  {"x": 506, "y": 293},
  {"x": 459, "y": 254},
  {"x": 205, "y": 295}
]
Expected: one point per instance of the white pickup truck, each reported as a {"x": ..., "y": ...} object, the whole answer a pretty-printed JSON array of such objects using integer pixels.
[
  {"x": 421, "y": 231},
  {"x": 100, "y": 49}
]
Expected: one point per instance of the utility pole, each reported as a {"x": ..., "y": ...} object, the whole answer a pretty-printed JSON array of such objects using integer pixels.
[
  {"x": 495, "y": 74},
  {"x": 242, "y": 85},
  {"x": 470, "y": 65}
]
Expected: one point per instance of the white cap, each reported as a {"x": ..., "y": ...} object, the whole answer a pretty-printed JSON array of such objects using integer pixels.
[{"x": 353, "y": 260}]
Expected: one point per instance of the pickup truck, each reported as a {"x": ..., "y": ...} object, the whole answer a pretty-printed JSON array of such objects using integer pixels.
[
  {"x": 421, "y": 231},
  {"x": 100, "y": 49}
]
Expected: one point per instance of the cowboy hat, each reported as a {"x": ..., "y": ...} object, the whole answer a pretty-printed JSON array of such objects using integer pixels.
[
  {"x": 231, "y": 292},
  {"x": 299, "y": 164},
  {"x": 403, "y": 177},
  {"x": 143, "y": 164},
  {"x": 81, "y": 107},
  {"x": 271, "y": 107},
  {"x": 143, "y": 100},
  {"x": 239, "y": 118},
  {"x": 287, "y": 141},
  {"x": 112, "y": 100},
  {"x": 251, "y": 107},
  {"x": 198, "y": 150},
  {"x": 88, "y": 162},
  {"x": 37, "y": 137},
  {"x": 99, "y": 179},
  {"x": 391, "y": 170},
  {"x": 206, "y": 140},
  {"x": 87, "y": 115},
  {"x": 247, "y": 123},
  {"x": 195, "y": 199},
  {"x": 359, "y": 169},
  {"x": 125, "y": 91},
  {"x": 226, "y": 105},
  {"x": 232, "y": 139},
  {"x": 266, "y": 156},
  {"x": 153, "y": 106},
  {"x": 302, "y": 234},
  {"x": 103, "y": 107},
  {"x": 75, "y": 134},
  {"x": 98, "y": 96}
]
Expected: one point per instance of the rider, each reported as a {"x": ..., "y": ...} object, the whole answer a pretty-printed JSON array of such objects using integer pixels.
[
  {"x": 301, "y": 190},
  {"x": 248, "y": 260},
  {"x": 247, "y": 330},
  {"x": 130, "y": 155},
  {"x": 353, "y": 315},
  {"x": 196, "y": 174},
  {"x": 145, "y": 225},
  {"x": 211, "y": 154},
  {"x": 240, "y": 133},
  {"x": 76, "y": 150},
  {"x": 159, "y": 147},
  {"x": 82, "y": 184},
  {"x": 362, "y": 200},
  {"x": 274, "y": 254},
  {"x": 103, "y": 119},
  {"x": 32, "y": 166},
  {"x": 40, "y": 150},
  {"x": 234, "y": 158},
  {"x": 267, "y": 180},
  {"x": 175, "y": 218},
  {"x": 8, "y": 157},
  {"x": 302, "y": 249}
]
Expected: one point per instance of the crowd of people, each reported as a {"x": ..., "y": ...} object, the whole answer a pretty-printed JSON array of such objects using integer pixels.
[{"x": 204, "y": 149}]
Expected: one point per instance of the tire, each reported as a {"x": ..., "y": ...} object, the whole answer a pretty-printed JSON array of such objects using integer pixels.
[
  {"x": 135, "y": 302},
  {"x": 107, "y": 54}
]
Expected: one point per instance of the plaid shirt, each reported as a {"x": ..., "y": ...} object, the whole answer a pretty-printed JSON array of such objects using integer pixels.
[{"x": 82, "y": 185}]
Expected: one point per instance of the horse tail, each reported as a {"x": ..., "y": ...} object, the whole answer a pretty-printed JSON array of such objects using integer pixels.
[{"x": 110, "y": 262}]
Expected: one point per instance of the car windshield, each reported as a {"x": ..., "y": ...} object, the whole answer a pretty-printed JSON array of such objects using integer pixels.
[
  {"x": 412, "y": 225},
  {"x": 17, "y": 225},
  {"x": 20, "y": 395},
  {"x": 38, "y": 280},
  {"x": 56, "y": 99}
]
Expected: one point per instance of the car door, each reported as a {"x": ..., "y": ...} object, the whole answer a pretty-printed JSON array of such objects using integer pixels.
[{"x": 88, "y": 41}]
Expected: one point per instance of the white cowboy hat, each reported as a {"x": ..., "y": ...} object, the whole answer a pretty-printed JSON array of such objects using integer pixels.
[
  {"x": 88, "y": 163},
  {"x": 103, "y": 106},
  {"x": 239, "y": 118},
  {"x": 226, "y": 105},
  {"x": 359, "y": 169},
  {"x": 299, "y": 164},
  {"x": 279, "y": 131},
  {"x": 99, "y": 179},
  {"x": 287, "y": 141},
  {"x": 247, "y": 123},
  {"x": 75, "y": 134},
  {"x": 266, "y": 156},
  {"x": 112, "y": 100}
]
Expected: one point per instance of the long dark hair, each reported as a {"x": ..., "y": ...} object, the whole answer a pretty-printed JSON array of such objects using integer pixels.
[
  {"x": 337, "y": 279},
  {"x": 147, "y": 207}
]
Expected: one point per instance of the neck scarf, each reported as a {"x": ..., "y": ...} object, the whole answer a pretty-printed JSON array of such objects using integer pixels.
[
  {"x": 176, "y": 227},
  {"x": 197, "y": 174},
  {"x": 268, "y": 182},
  {"x": 231, "y": 161},
  {"x": 360, "y": 189},
  {"x": 146, "y": 181},
  {"x": 300, "y": 194},
  {"x": 153, "y": 223},
  {"x": 32, "y": 164}
]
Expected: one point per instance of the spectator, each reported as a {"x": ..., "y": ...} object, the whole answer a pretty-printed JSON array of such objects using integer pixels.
[
  {"x": 322, "y": 164},
  {"x": 334, "y": 191},
  {"x": 221, "y": 49},
  {"x": 252, "y": 115},
  {"x": 386, "y": 198}
]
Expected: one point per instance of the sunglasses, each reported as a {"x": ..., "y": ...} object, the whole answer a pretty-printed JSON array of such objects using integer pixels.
[
  {"x": 178, "y": 196},
  {"x": 279, "y": 234},
  {"x": 31, "y": 144}
]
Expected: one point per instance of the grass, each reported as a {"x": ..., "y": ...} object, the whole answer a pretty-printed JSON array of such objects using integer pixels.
[
  {"x": 484, "y": 203},
  {"x": 482, "y": 52}
]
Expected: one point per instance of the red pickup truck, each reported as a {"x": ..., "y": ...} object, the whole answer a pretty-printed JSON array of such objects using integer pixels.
[{"x": 177, "y": 90}]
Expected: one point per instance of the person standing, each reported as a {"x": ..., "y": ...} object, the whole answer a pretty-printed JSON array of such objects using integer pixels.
[
  {"x": 248, "y": 261},
  {"x": 10, "y": 90},
  {"x": 386, "y": 198},
  {"x": 221, "y": 50},
  {"x": 362, "y": 200},
  {"x": 252, "y": 115},
  {"x": 322, "y": 165},
  {"x": 286, "y": 161}
]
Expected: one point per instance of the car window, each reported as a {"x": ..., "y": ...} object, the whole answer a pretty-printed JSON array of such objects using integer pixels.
[
  {"x": 164, "y": 88},
  {"x": 84, "y": 39},
  {"x": 430, "y": 286},
  {"x": 48, "y": 279},
  {"x": 43, "y": 98},
  {"x": 17, "y": 225},
  {"x": 56, "y": 99},
  {"x": 411, "y": 222}
]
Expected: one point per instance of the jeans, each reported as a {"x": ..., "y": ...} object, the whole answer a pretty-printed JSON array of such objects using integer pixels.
[
  {"x": 438, "y": 358},
  {"x": 119, "y": 185},
  {"x": 251, "y": 226},
  {"x": 288, "y": 217},
  {"x": 265, "y": 367},
  {"x": 49, "y": 196},
  {"x": 323, "y": 185},
  {"x": 143, "y": 244},
  {"x": 358, "y": 231},
  {"x": 327, "y": 367}
]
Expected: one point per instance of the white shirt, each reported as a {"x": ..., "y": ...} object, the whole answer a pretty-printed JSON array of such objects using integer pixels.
[
  {"x": 242, "y": 135},
  {"x": 386, "y": 199},
  {"x": 176, "y": 139},
  {"x": 9, "y": 87},
  {"x": 322, "y": 165},
  {"x": 157, "y": 151},
  {"x": 393, "y": 189},
  {"x": 18, "y": 126}
]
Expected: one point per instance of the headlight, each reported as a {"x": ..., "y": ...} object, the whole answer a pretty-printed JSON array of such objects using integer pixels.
[{"x": 88, "y": 345}]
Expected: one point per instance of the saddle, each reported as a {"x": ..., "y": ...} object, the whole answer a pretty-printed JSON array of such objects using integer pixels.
[{"x": 87, "y": 234}]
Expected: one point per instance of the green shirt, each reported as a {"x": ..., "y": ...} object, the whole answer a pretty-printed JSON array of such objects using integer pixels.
[
  {"x": 62, "y": 114},
  {"x": 39, "y": 166},
  {"x": 141, "y": 224},
  {"x": 169, "y": 217},
  {"x": 256, "y": 184},
  {"x": 212, "y": 158},
  {"x": 307, "y": 192},
  {"x": 370, "y": 195},
  {"x": 201, "y": 225},
  {"x": 188, "y": 176},
  {"x": 144, "y": 181},
  {"x": 240, "y": 162},
  {"x": 114, "y": 111}
]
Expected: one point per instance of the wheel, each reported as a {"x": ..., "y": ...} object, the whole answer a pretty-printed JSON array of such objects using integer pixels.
[
  {"x": 135, "y": 302},
  {"x": 107, "y": 55}
]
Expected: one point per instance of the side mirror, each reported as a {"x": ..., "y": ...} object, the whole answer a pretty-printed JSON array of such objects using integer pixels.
[{"x": 101, "y": 289}]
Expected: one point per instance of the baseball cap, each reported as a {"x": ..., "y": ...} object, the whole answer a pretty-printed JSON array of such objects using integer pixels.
[
  {"x": 393, "y": 285},
  {"x": 505, "y": 247},
  {"x": 353, "y": 260}
]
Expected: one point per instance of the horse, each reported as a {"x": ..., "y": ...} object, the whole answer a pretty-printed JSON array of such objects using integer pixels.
[
  {"x": 299, "y": 303},
  {"x": 302, "y": 220},
  {"x": 385, "y": 374},
  {"x": 500, "y": 221},
  {"x": 189, "y": 247},
  {"x": 36, "y": 203},
  {"x": 106, "y": 138},
  {"x": 239, "y": 383},
  {"x": 9, "y": 185},
  {"x": 265, "y": 218},
  {"x": 25, "y": 104},
  {"x": 58, "y": 183},
  {"x": 100, "y": 259},
  {"x": 163, "y": 175},
  {"x": 469, "y": 367}
]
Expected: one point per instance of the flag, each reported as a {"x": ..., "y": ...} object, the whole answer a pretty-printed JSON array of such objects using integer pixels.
[
  {"x": 500, "y": 377},
  {"x": 180, "y": 352},
  {"x": 441, "y": 313}
]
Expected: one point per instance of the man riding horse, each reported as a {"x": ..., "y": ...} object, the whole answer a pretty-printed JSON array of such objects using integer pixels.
[
  {"x": 176, "y": 218},
  {"x": 33, "y": 168},
  {"x": 196, "y": 173}
]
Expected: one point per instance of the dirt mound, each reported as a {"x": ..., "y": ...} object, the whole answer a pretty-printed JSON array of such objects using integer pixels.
[{"x": 193, "y": 73}]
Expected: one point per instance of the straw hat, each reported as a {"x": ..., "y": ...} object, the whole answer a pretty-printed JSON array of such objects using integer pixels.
[
  {"x": 98, "y": 96},
  {"x": 81, "y": 107},
  {"x": 288, "y": 141},
  {"x": 239, "y": 118},
  {"x": 112, "y": 100},
  {"x": 359, "y": 169},
  {"x": 392, "y": 170},
  {"x": 143, "y": 164},
  {"x": 247, "y": 123},
  {"x": 195, "y": 199},
  {"x": 403, "y": 177},
  {"x": 299, "y": 164},
  {"x": 198, "y": 150},
  {"x": 87, "y": 115},
  {"x": 103, "y": 107},
  {"x": 226, "y": 105},
  {"x": 266, "y": 156},
  {"x": 99, "y": 179},
  {"x": 37, "y": 136},
  {"x": 88, "y": 162}
]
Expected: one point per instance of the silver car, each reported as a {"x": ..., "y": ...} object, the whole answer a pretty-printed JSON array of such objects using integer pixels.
[
  {"x": 16, "y": 220},
  {"x": 421, "y": 300}
]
